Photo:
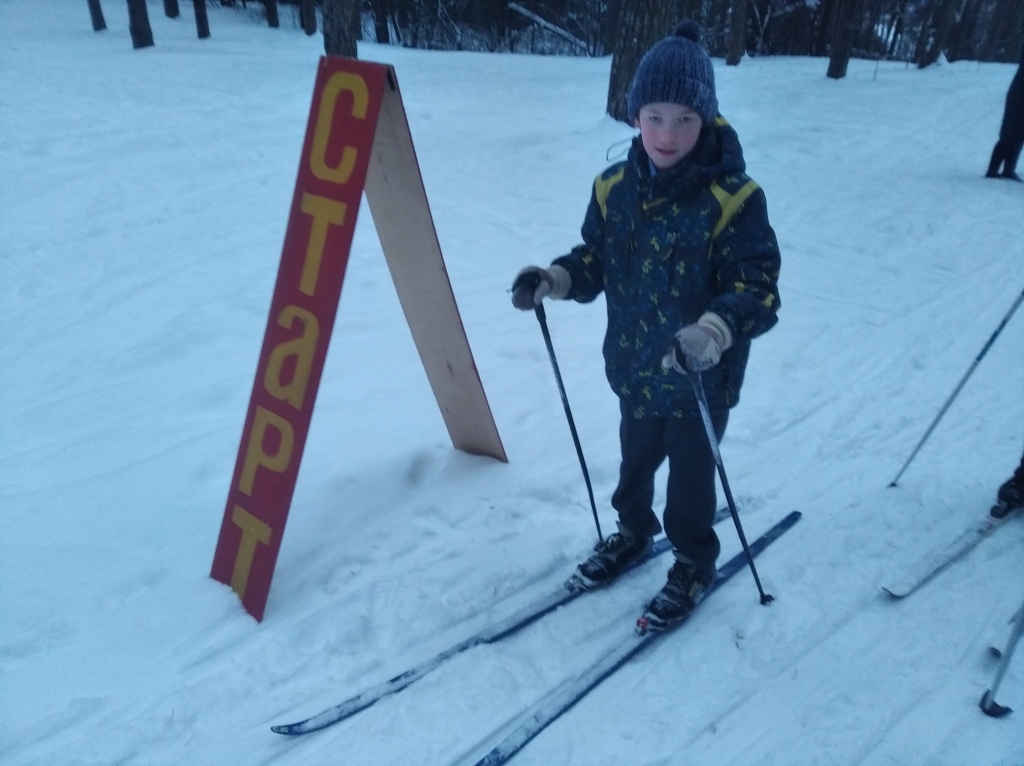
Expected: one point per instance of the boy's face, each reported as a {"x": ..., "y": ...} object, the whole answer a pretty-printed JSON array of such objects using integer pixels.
[{"x": 668, "y": 131}]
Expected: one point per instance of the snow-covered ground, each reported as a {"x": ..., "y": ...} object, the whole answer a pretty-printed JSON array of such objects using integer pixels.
[{"x": 143, "y": 202}]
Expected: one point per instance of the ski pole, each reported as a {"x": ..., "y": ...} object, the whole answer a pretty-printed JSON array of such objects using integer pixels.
[
  {"x": 960, "y": 385},
  {"x": 698, "y": 389},
  {"x": 542, "y": 318},
  {"x": 988, "y": 703}
]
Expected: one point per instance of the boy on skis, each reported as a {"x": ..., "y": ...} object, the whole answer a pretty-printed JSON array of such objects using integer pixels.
[{"x": 678, "y": 239}]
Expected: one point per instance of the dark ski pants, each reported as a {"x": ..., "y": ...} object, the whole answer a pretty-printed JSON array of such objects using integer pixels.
[{"x": 690, "y": 497}]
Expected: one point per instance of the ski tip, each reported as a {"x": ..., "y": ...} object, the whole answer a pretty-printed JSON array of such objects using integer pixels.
[
  {"x": 576, "y": 584},
  {"x": 646, "y": 625},
  {"x": 894, "y": 594},
  {"x": 295, "y": 729},
  {"x": 992, "y": 708},
  {"x": 995, "y": 652}
]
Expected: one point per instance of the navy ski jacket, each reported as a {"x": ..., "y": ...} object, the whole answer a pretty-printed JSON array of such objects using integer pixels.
[{"x": 666, "y": 248}]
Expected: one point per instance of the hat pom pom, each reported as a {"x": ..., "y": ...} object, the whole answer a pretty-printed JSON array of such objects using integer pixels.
[{"x": 689, "y": 29}]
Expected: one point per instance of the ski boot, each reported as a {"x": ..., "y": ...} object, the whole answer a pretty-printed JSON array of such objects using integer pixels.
[
  {"x": 611, "y": 558},
  {"x": 1011, "y": 495},
  {"x": 685, "y": 589}
]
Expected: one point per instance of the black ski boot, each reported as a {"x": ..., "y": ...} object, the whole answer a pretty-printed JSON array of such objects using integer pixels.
[
  {"x": 685, "y": 589},
  {"x": 1010, "y": 165},
  {"x": 1011, "y": 494},
  {"x": 611, "y": 558}
]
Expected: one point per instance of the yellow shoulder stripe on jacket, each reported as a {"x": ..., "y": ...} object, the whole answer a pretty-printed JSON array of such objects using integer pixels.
[
  {"x": 603, "y": 186},
  {"x": 730, "y": 202}
]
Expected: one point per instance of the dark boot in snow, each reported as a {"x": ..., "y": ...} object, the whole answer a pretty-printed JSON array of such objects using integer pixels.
[
  {"x": 998, "y": 154},
  {"x": 1011, "y": 494},
  {"x": 685, "y": 589},
  {"x": 611, "y": 558},
  {"x": 1010, "y": 166}
]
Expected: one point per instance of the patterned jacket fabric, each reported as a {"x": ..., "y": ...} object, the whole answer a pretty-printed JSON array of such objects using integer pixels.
[{"x": 664, "y": 250}]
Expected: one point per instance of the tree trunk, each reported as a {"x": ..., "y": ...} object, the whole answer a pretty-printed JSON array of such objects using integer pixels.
[
  {"x": 96, "y": 12},
  {"x": 307, "y": 12},
  {"x": 961, "y": 37},
  {"x": 737, "y": 32},
  {"x": 138, "y": 24},
  {"x": 846, "y": 25},
  {"x": 924, "y": 35},
  {"x": 341, "y": 27},
  {"x": 897, "y": 33},
  {"x": 1007, "y": 42},
  {"x": 171, "y": 9},
  {"x": 270, "y": 6},
  {"x": 202, "y": 23},
  {"x": 612, "y": 24},
  {"x": 938, "y": 34},
  {"x": 640, "y": 24},
  {"x": 1003, "y": 40},
  {"x": 827, "y": 23},
  {"x": 380, "y": 21}
]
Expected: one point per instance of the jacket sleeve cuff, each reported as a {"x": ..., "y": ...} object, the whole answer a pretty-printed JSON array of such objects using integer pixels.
[
  {"x": 713, "y": 321},
  {"x": 561, "y": 282}
]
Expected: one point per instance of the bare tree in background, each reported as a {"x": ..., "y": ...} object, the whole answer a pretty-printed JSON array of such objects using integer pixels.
[
  {"x": 270, "y": 6},
  {"x": 737, "y": 32},
  {"x": 96, "y": 13},
  {"x": 1002, "y": 41},
  {"x": 341, "y": 27},
  {"x": 904, "y": 30},
  {"x": 637, "y": 25},
  {"x": 171, "y": 9},
  {"x": 138, "y": 24},
  {"x": 380, "y": 21},
  {"x": 202, "y": 22},
  {"x": 936, "y": 32},
  {"x": 847, "y": 22},
  {"x": 957, "y": 47},
  {"x": 307, "y": 12}
]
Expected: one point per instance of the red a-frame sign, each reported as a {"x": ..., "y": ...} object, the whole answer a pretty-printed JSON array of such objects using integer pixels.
[{"x": 357, "y": 139}]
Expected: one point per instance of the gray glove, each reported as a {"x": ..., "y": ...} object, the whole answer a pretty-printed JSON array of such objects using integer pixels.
[
  {"x": 533, "y": 284},
  {"x": 699, "y": 346}
]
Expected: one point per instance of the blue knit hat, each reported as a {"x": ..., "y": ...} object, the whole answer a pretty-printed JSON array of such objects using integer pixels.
[{"x": 676, "y": 70}]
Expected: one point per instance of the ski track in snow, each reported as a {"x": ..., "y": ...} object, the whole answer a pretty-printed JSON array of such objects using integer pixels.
[{"x": 143, "y": 200}]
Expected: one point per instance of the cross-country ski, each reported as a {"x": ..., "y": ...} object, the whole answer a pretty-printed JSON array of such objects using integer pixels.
[
  {"x": 931, "y": 565},
  {"x": 547, "y": 710},
  {"x": 494, "y": 632}
]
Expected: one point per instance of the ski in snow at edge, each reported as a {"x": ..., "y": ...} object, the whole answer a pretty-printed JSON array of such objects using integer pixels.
[
  {"x": 493, "y": 632},
  {"x": 933, "y": 564}
]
